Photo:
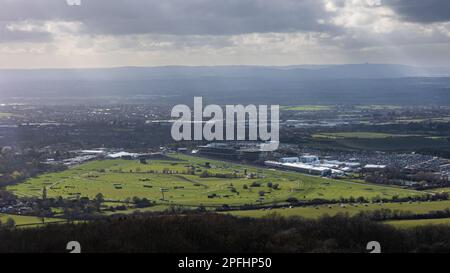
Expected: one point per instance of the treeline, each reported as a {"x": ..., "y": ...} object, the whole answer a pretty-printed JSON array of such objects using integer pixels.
[
  {"x": 294, "y": 202},
  {"x": 213, "y": 233},
  {"x": 84, "y": 208},
  {"x": 388, "y": 214},
  {"x": 81, "y": 208},
  {"x": 16, "y": 168}
]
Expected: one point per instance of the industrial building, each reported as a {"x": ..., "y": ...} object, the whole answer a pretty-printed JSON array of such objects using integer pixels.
[
  {"x": 289, "y": 160},
  {"x": 300, "y": 167},
  {"x": 248, "y": 151},
  {"x": 309, "y": 159},
  {"x": 311, "y": 164},
  {"x": 221, "y": 150},
  {"x": 374, "y": 168}
]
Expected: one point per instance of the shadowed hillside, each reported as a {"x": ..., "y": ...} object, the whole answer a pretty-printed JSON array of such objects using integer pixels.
[{"x": 216, "y": 233}]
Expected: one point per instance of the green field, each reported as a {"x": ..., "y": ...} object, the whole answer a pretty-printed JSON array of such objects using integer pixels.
[
  {"x": 118, "y": 180},
  {"x": 6, "y": 115},
  {"x": 378, "y": 141},
  {"x": 331, "y": 210},
  {"x": 416, "y": 223},
  {"x": 379, "y": 107},
  {"x": 406, "y": 120},
  {"x": 306, "y": 108},
  {"x": 28, "y": 220},
  {"x": 352, "y": 210},
  {"x": 364, "y": 135},
  {"x": 441, "y": 190}
]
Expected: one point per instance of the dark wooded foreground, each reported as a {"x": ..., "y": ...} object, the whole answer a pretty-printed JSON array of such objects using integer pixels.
[{"x": 220, "y": 233}]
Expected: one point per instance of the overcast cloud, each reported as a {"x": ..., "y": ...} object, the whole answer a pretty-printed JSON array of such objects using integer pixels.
[
  {"x": 422, "y": 11},
  {"x": 50, "y": 33}
]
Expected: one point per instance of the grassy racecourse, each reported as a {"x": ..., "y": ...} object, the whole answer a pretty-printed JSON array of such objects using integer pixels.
[{"x": 119, "y": 180}]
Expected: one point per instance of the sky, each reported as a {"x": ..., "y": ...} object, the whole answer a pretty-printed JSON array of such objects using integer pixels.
[{"x": 110, "y": 33}]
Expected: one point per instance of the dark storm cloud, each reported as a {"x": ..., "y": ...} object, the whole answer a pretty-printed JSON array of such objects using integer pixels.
[
  {"x": 177, "y": 17},
  {"x": 421, "y": 11}
]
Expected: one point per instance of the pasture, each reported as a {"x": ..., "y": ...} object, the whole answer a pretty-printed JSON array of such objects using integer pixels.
[
  {"x": 416, "y": 223},
  {"x": 21, "y": 220},
  {"x": 311, "y": 212},
  {"x": 378, "y": 141},
  {"x": 379, "y": 107},
  {"x": 364, "y": 135},
  {"x": 307, "y": 108}
]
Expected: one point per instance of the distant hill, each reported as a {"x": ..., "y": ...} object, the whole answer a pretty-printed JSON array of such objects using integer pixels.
[
  {"x": 306, "y": 72},
  {"x": 288, "y": 85}
]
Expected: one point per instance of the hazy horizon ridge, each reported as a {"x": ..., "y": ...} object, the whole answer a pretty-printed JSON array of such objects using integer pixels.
[{"x": 287, "y": 85}]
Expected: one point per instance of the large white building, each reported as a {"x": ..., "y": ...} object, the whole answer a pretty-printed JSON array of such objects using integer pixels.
[
  {"x": 310, "y": 159},
  {"x": 374, "y": 167},
  {"x": 300, "y": 167},
  {"x": 122, "y": 155},
  {"x": 289, "y": 159}
]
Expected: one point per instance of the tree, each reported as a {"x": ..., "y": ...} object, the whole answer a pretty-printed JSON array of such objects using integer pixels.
[
  {"x": 142, "y": 203},
  {"x": 44, "y": 193},
  {"x": 10, "y": 223},
  {"x": 204, "y": 174},
  {"x": 99, "y": 199}
]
